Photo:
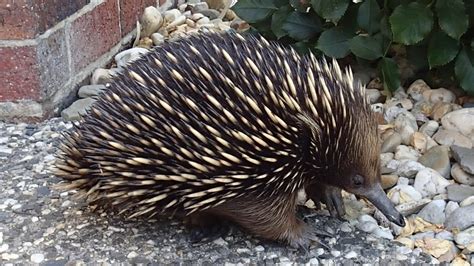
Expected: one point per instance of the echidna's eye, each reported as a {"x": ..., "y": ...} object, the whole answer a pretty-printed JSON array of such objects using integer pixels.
[{"x": 357, "y": 180}]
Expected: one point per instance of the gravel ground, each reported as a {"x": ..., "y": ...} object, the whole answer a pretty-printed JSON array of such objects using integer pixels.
[{"x": 38, "y": 224}]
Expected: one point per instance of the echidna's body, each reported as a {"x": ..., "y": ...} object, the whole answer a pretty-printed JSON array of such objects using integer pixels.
[{"x": 227, "y": 126}]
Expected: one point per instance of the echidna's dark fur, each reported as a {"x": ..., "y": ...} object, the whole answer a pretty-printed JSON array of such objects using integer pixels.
[{"x": 228, "y": 125}]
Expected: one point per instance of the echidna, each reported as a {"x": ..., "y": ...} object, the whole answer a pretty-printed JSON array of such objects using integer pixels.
[{"x": 227, "y": 126}]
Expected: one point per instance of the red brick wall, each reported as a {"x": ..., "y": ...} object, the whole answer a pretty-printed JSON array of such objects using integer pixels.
[{"x": 47, "y": 47}]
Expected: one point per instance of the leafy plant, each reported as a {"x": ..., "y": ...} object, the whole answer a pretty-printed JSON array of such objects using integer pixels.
[{"x": 434, "y": 35}]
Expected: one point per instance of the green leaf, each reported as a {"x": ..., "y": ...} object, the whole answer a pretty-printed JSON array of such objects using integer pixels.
[
  {"x": 254, "y": 10},
  {"x": 301, "y": 5},
  {"x": 442, "y": 49},
  {"x": 368, "y": 16},
  {"x": 390, "y": 74},
  {"x": 334, "y": 43},
  {"x": 302, "y": 26},
  {"x": 331, "y": 10},
  {"x": 366, "y": 47},
  {"x": 452, "y": 18},
  {"x": 385, "y": 27},
  {"x": 411, "y": 23},
  {"x": 302, "y": 47},
  {"x": 464, "y": 70},
  {"x": 278, "y": 19},
  {"x": 348, "y": 22}
]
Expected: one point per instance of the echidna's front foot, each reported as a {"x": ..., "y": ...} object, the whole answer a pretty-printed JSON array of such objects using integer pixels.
[
  {"x": 308, "y": 237},
  {"x": 209, "y": 233},
  {"x": 329, "y": 195},
  {"x": 206, "y": 227}
]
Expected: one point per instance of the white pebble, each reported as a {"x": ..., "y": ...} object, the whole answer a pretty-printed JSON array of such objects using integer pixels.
[
  {"x": 132, "y": 255},
  {"x": 220, "y": 242},
  {"x": 350, "y": 255},
  {"x": 336, "y": 253},
  {"x": 34, "y": 219},
  {"x": 3, "y": 248},
  {"x": 313, "y": 261},
  {"x": 37, "y": 258},
  {"x": 259, "y": 248}
]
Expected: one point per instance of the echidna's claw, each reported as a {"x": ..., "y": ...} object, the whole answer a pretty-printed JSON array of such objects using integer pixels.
[
  {"x": 329, "y": 195},
  {"x": 203, "y": 234}
]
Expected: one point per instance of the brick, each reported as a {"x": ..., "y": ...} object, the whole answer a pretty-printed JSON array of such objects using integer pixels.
[
  {"x": 94, "y": 33},
  {"x": 26, "y": 19},
  {"x": 50, "y": 12},
  {"x": 130, "y": 12},
  {"x": 17, "y": 19},
  {"x": 20, "y": 74},
  {"x": 53, "y": 62}
]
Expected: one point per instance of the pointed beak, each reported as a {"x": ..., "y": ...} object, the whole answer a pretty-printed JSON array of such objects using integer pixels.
[{"x": 377, "y": 196}]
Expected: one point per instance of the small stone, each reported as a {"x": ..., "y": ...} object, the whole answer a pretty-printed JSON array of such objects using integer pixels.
[
  {"x": 37, "y": 258},
  {"x": 382, "y": 233},
  {"x": 460, "y": 121},
  {"x": 210, "y": 13},
  {"x": 243, "y": 250},
  {"x": 419, "y": 141},
  {"x": 259, "y": 248},
  {"x": 385, "y": 158},
  {"x": 313, "y": 261},
  {"x": 345, "y": 227},
  {"x": 429, "y": 128},
  {"x": 125, "y": 57},
  {"x": 336, "y": 253},
  {"x": 373, "y": 95},
  {"x": 220, "y": 242},
  {"x": 351, "y": 254},
  {"x": 437, "y": 158},
  {"x": 406, "y": 125},
  {"x": 408, "y": 168},
  {"x": 403, "y": 194},
  {"x": 103, "y": 76},
  {"x": 403, "y": 103},
  {"x": 467, "y": 201},
  {"x": 461, "y": 218},
  {"x": 199, "y": 6},
  {"x": 150, "y": 21},
  {"x": 171, "y": 15},
  {"x": 157, "y": 38},
  {"x": 203, "y": 21},
  {"x": 439, "y": 95},
  {"x": 145, "y": 42},
  {"x": 77, "y": 109},
  {"x": 90, "y": 90},
  {"x": 409, "y": 208},
  {"x": 451, "y": 137},
  {"x": 5, "y": 150},
  {"x": 417, "y": 88},
  {"x": 3, "y": 248},
  {"x": 465, "y": 157},
  {"x": 392, "y": 112},
  {"x": 403, "y": 152},
  {"x": 446, "y": 235},
  {"x": 458, "y": 192},
  {"x": 429, "y": 182},
  {"x": 450, "y": 207},
  {"x": 389, "y": 181},
  {"x": 434, "y": 212},
  {"x": 132, "y": 255},
  {"x": 461, "y": 176},
  {"x": 465, "y": 237},
  {"x": 177, "y": 22},
  {"x": 440, "y": 109}
]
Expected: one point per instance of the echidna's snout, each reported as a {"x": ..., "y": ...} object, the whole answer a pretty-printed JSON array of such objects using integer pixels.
[{"x": 377, "y": 196}]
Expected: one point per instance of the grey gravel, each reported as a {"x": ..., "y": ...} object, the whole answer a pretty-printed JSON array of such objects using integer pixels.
[{"x": 38, "y": 224}]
